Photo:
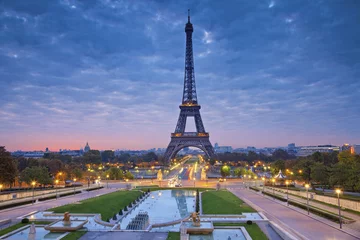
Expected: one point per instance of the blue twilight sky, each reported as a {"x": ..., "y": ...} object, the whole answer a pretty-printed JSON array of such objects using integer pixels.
[{"x": 268, "y": 72}]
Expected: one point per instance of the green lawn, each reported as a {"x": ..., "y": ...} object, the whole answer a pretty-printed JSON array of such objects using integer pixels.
[
  {"x": 253, "y": 229},
  {"x": 107, "y": 205},
  {"x": 173, "y": 236},
  {"x": 19, "y": 225},
  {"x": 223, "y": 202},
  {"x": 74, "y": 235}
]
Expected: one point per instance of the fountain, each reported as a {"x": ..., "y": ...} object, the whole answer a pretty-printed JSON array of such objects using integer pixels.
[
  {"x": 66, "y": 219},
  {"x": 66, "y": 224},
  {"x": 203, "y": 174},
  {"x": 196, "y": 226},
  {"x": 159, "y": 175},
  {"x": 32, "y": 232},
  {"x": 196, "y": 219}
]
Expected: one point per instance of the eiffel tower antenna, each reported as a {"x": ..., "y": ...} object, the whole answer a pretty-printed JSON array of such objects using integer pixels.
[{"x": 189, "y": 108}]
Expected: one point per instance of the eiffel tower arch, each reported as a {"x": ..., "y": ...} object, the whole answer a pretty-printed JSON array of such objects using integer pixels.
[{"x": 189, "y": 108}]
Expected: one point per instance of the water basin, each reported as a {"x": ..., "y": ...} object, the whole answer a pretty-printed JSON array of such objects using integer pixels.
[
  {"x": 41, "y": 233},
  {"x": 221, "y": 234},
  {"x": 164, "y": 206}
]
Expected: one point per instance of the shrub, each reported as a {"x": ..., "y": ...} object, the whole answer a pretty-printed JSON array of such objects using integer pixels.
[
  {"x": 25, "y": 220},
  {"x": 120, "y": 212},
  {"x": 125, "y": 208},
  {"x": 114, "y": 217},
  {"x": 130, "y": 205},
  {"x": 148, "y": 190},
  {"x": 248, "y": 222}
]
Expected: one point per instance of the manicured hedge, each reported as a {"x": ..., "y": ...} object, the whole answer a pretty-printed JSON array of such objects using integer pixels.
[
  {"x": 92, "y": 189},
  {"x": 255, "y": 189}
]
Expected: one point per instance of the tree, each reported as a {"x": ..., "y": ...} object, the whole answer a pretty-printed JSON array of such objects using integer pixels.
[
  {"x": 225, "y": 171},
  {"x": 38, "y": 174},
  {"x": 302, "y": 169},
  {"x": 92, "y": 156},
  {"x": 151, "y": 156},
  {"x": 280, "y": 154},
  {"x": 8, "y": 170},
  {"x": 129, "y": 175},
  {"x": 115, "y": 173},
  {"x": 278, "y": 165},
  {"x": 239, "y": 172},
  {"x": 320, "y": 174},
  {"x": 107, "y": 156}
]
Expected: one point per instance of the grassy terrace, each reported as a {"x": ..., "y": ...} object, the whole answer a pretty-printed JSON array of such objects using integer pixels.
[
  {"x": 253, "y": 229},
  {"x": 173, "y": 236},
  {"x": 19, "y": 225},
  {"x": 107, "y": 205},
  {"x": 74, "y": 235},
  {"x": 223, "y": 202}
]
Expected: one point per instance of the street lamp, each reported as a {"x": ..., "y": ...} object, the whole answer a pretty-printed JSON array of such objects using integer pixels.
[
  {"x": 263, "y": 184},
  {"x": 338, "y": 191},
  {"x": 1, "y": 186},
  {"x": 307, "y": 197},
  {"x": 74, "y": 185},
  {"x": 273, "y": 181},
  {"x": 287, "y": 192},
  {"x": 107, "y": 181},
  {"x": 33, "y": 185},
  {"x": 194, "y": 181},
  {"x": 56, "y": 183}
]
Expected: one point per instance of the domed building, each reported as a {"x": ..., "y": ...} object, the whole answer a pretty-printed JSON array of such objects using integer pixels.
[{"x": 87, "y": 147}]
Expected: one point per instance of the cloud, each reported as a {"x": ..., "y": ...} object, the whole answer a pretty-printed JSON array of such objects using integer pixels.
[{"x": 112, "y": 72}]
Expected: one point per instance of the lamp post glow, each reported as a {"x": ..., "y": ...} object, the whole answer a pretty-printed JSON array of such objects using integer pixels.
[
  {"x": 74, "y": 185},
  {"x": 338, "y": 191},
  {"x": 307, "y": 197},
  {"x": 287, "y": 192},
  {"x": 33, "y": 183},
  {"x": 194, "y": 181},
  {"x": 56, "y": 183},
  {"x": 107, "y": 181},
  {"x": 1, "y": 186}
]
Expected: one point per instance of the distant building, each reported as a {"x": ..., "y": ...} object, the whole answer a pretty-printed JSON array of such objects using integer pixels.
[
  {"x": 346, "y": 147},
  {"x": 28, "y": 154},
  {"x": 222, "y": 149},
  {"x": 47, "y": 149},
  {"x": 356, "y": 149},
  {"x": 87, "y": 147},
  {"x": 306, "y": 151},
  {"x": 291, "y": 149}
]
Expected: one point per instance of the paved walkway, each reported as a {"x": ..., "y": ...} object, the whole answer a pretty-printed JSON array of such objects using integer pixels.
[
  {"x": 354, "y": 226},
  {"x": 124, "y": 235},
  {"x": 303, "y": 226}
]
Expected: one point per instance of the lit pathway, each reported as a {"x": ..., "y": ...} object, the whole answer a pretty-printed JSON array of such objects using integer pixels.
[
  {"x": 302, "y": 224},
  {"x": 354, "y": 226}
]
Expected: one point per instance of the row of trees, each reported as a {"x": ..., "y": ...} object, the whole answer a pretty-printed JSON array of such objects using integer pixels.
[
  {"x": 326, "y": 169},
  {"x": 251, "y": 157}
]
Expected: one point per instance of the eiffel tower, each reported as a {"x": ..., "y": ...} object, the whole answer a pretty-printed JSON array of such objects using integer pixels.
[{"x": 189, "y": 108}]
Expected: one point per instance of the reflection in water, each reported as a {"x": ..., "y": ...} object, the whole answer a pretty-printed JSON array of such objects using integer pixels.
[{"x": 180, "y": 196}]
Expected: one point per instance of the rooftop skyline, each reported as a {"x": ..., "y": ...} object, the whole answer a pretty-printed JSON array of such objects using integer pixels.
[{"x": 267, "y": 73}]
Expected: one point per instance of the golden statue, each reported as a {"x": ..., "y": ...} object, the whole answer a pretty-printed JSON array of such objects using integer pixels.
[
  {"x": 196, "y": 219},
  {"x": 66, "y": 219}
]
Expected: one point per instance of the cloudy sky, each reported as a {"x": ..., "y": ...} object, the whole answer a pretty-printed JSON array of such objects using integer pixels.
[{"x": 268, "y": 72}]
